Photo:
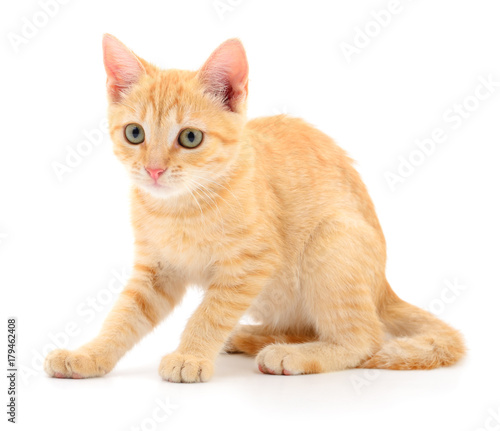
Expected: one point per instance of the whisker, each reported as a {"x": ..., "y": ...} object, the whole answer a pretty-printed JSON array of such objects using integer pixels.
[
  {"x": 196, "y": 200},
  {"x": 222, "y": 186},
  {"x": 205, "y": 191}
]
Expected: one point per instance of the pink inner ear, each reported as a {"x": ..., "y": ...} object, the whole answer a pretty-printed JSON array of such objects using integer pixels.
[
  {"x": 225, "y": 74},
  {"x": 123, "y": 68}
]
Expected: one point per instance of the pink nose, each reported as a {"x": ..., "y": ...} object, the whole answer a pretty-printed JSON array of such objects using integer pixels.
[{"x": 155, "y": 173}]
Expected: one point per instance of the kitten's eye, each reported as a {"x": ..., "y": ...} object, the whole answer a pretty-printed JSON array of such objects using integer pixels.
[
  {"x": 190, "y": 138},
  {"x": 134, "y": 133}
]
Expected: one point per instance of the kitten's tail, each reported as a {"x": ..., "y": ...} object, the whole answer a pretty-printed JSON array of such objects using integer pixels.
[{"x": 420, "y": 340}]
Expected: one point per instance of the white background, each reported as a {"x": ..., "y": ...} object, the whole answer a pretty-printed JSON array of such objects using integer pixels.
[{"x": 64, "y": 240}]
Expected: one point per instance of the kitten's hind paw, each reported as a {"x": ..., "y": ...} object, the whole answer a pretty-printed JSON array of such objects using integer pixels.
[{"x": 230, "y": 347}]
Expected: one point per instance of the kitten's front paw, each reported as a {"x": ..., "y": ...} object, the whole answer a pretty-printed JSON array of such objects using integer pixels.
[
  {"x": 181, "y": 368},
  {"x": 74, "y": 365}
]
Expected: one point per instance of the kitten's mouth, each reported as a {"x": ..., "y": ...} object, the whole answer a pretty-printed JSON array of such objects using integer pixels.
[
  {"x": 157, "y": 189},
  {"x": 150, "y": 183},
  {"x": 158, "y": 186}
]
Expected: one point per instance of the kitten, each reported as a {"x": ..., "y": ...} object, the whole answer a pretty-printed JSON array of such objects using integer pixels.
[{"x": 269, "y": 216}]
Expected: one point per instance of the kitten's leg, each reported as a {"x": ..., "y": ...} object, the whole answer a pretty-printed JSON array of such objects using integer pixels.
[
  {"x": 148, "y": 297},
  {"x": 225, "y": 301},
  {"x": 251, "y": 339},
  {"x": 346, "y": 337},
  {"x": 338, "y": 275}
]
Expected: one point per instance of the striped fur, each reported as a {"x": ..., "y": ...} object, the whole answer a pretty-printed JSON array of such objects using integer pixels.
[{"x": 269, "y": 216}]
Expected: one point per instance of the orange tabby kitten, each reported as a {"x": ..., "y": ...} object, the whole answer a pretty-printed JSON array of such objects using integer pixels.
[{"x": 269, "y": 216}]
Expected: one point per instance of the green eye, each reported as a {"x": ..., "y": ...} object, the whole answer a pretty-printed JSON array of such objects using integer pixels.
[
  {"x": 134, "y": 133},
  {"x": 190, "y": 138}
]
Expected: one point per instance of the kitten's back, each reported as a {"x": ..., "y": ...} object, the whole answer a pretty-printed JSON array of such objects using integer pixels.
[{"x": 306, "y": 165}]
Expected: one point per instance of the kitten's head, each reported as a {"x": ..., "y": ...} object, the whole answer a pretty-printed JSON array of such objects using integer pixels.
[{"x": 176, "y": 131}]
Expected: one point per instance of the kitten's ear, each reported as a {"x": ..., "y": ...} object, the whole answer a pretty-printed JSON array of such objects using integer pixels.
[
  {"x": 122, "y": 67},
  {"x": 225, "y": 75}
]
